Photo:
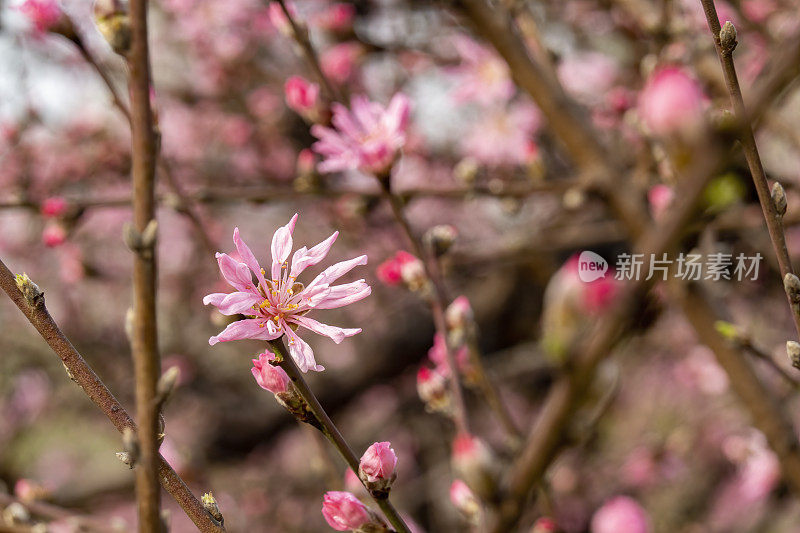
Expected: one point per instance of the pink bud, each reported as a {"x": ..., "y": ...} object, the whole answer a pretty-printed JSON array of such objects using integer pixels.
[
  {"x": 464, "y": 499},
  {"x": 305, "y": 162},
  {"x": 339, "y": 61},
  {"x": 671, "y": 101},
  {"x": 338, "y": 17},
  {"x": 391, "y": 271},
  {"x": 301, "y": 95},
  {"x": 432, "y": 388},
  {"x": 344, "y": 512},
  {"x": 43, "y": 14},
  {"x": 269, "y": 377},
  {"x": 620, "y": 514},
  {"x": 278, "y": 18},
  {"x": 459, "y": 313},
  {"x": 545, "y": 525},
  {"x": 54, "y": 235},
  {"x": 378, "y": 462},
  {"x": 55, "y": 206}
]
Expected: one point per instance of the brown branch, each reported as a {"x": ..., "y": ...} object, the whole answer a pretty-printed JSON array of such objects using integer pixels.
[
  {"x": 144, "y": 338},
  {"x": 79, "y": 370},
  {"x": 765, "y": 412},
  {"x": 771, "y": 216},
  {"x": 331, "y": 431}
]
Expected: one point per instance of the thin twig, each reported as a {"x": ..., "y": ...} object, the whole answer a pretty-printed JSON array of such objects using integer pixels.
[
  {"x": 144, "y": 337},
  {"x": 80, "y": 372},
  {"x": 771, "y": 216},
  {"x": 330, "y": 430}
]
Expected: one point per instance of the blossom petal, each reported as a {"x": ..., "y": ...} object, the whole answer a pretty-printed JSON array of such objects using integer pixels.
[
  {"x": 335, "y": 333},
  {"x": 301, "y": 352},
  {"x": 249, "y": 328},
  {"x": 247, "y": 255},
  {"x": 235, "y": 273},
  {"x": 334, "y": 272},
  {"x": 238, "y": 302},
  {"x": 282, "y": 246},
  {"x": 214, "y": 298},
  {"x": 301, "y": 261},
  {"x": 341, "y": 295}
]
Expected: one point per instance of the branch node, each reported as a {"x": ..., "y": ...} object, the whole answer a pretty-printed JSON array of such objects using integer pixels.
[
  {"x": 779, "y": 198},
  {"x": 126, "y": 458},
  {"x": 210, "y": 505},
  {"x": 130, "y": 445},
  {"x": 727, "y": 37},
  {"x": 793, "y": 350},
  {"x": 30, "y": 291},
  {"x": 141, "y": 243},
  {"x": 166, "y": 385}
]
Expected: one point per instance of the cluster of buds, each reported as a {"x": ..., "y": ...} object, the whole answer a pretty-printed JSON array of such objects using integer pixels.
[
  {"x": 273, "y": 378},
  {"x": 344, "y": 512},
  {"x": 377, "y": 468},
  {"x": 475, "y": 463},
  {"x": 114, "y": 24},
  {"x": 433, "y": 391},
  {"x": 406, "y": 268}
]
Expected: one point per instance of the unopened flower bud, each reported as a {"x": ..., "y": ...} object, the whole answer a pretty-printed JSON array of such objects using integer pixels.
[
  {"x": 126, "y": 459},
  {"x": 727, "y": 37},
  {"x": 377, "y": 467},
  {"x": 302, "y": 96},
  {"x": 47, "y": 16},
  {"x": 269, "y": 377},
  {"x": 30, "y": 291},
  {"x": 130, "y": 444},
  {"x": 54, "y": 235},
  {"x": 53, "y": 207},
  {"x": 544, "y": 525},
  {"x": 620, "y": 514},
  {"x": 432, "y": 389},
  {"x": 474, "y": 462},
  {"x": 344, "y": 512},
  {"x": 459, "y": 313},
  {"x": 166, "y": 384},
  {"x": 113, "y": 23},
  {"x": 791, "y": 284},
  {"x": 465, "y": 501},
  {"x": 793, "y": 350},
  {"x": 210, "y": 505},
  {"x": 779, "y": 198},
  {"x": 440, "y": 238}
]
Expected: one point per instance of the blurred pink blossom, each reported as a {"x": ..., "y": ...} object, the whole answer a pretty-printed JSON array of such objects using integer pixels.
[
  {"x": 432, "y": 388},
  {"x": 278, "y": 303},
  {"x": 504, "y": 136},
  {"x": 336, "y": 17},
  {"x": 53, "y": 207},
  {"x": 302, "y": 96},
  {"x": 621, "y": 514},
  {"x": 269, "y": 377},
  {"x": 438, "y": 356},
  {"x": 339, "y": 61},
  {"x": 53, "y": 235},
  {"x": 660, "y": 198},
  {"x": 390, "y": 271},
  {"x": 378, "y": 462},
  {"x": 43, "y": 14},
  {"x": 483, "y": 76},
  {"x": 459, "y": 313},
  {"x": 344, "y": 512},
  {"x": 588, "y": 75},
  {"x": 464, "y": 499},
  {"x": 367, "y": 137},
  {"x": 671, "y": 101}
]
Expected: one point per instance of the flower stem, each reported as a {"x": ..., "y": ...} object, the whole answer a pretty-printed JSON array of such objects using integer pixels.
[{"x": 330, "y": 430}]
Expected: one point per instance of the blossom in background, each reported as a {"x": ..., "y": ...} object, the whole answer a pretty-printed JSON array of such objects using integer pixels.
[
  {"x": 621, "y": 514},
  {"x": 269, "y": 377},
  {"x": 475, "y": 463},
  {"x": 464, "y": 500},
  {"x": 432, "y": 389},
  {"x": 302, "y": 96},
  {"x": 438, "y": 356},
  {"x": 345, "y": 512},
  {"x": 671, "y": 101},
  {"x": 367, "y": 137},
  {"x": 43, "y": 14},
  {"x": 504, "y": 136},
  {"x": 660, "y": 198},
  {"x": 336, "y": 17},
  {"x": 54, "y": 235},
  {"x": 53, "y": 207},
  {"x": 278, "y": 18},
  {"x": 274, "y": 305},
  {"x": 588, "y": 76},
  {"x": 391, "y": 271},
  {"x": 378, "y": 463},
  {"x": 483, "y": 76},
  {"x": 338, "y": 62},
  {"x": 459, "y": 313}
]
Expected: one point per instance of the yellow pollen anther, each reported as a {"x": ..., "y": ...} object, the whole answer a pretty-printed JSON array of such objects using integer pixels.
[{"x": 264, "y": 304}]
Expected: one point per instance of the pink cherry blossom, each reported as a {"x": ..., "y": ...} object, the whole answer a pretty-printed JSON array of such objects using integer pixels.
[
  {"x": 273, "y": 306},
  {"x": 339, "y": 62},
  {"x": 278, "y": 18},
  {"x": 671, "y": 101},
  {"x": 305, "y": 162},
  {"x": 432, "y": 388},
  {"x": 54, "y": 235},
  {"x": 344, "y": 512},
  {"x": 504, "y": 136},
  {"x": 337, "y": 17},
  {"x": 483, "y": 76},
  {"x": 459, "y": 313},
  {"x": 588, "y": 76},
  {"x": 391, "y": 271},
  {"x": 54, "y": 206},
  {"x": 438, "y": 356},
  {"x": 367, "y": 137},
  {"x": 301, "y": 95},
  {"x": 269, "y": 377},
  {"x": 43, "y": 14},
  {"x": 378, "y": 462},
  {"x": 621, "y": 514},
  {"x": 660, "y": 198}
]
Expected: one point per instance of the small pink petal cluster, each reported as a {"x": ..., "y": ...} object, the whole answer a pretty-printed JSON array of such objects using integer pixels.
[
  {"x": 368, "y": 137},
  {"x": 504, "y": 136},
  {"x": 54, "y": 207},
  {"x": 398, "y": 268},
  {"x": 339, "y": 61},
  {"x": 378, "y": 463},
  {"x": 432, "y": 389},
  {"x": 483, "y": 76},
  {"x": 54, "y": 235},
  {"x": 302, "y": 96},
  {"x": 464, "y": 499},
  {"x": 593, "y": 297},
  {"x": 671, "y": 101},
  {"x": 276, "y": 306},
  {"x": 43, "y": 14},
  {"x": 269, "y": 377},
  {"x": 344, "y": 512},
  {"x": 660, "y": 198},
  {"x": 459, "y": 313},
  {"x": 619, "y": 514}
]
